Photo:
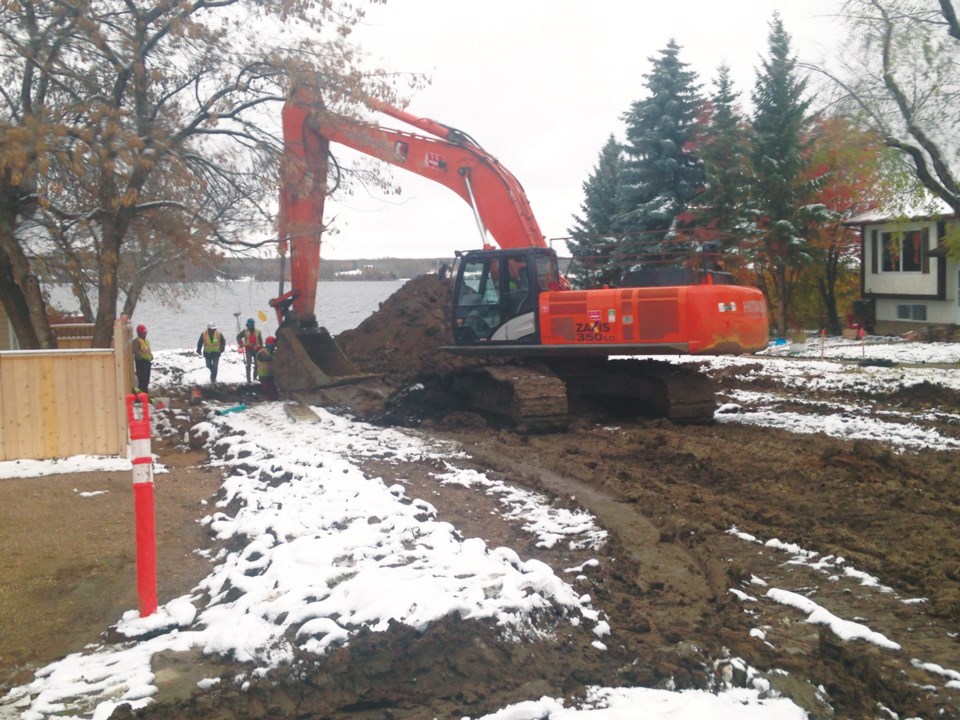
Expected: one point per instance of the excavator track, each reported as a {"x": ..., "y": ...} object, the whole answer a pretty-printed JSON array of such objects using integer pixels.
[
  {"x": 541, "y": 397},
  {"x": 646, "y": 388},
  {"x": 529, "y": 398}
]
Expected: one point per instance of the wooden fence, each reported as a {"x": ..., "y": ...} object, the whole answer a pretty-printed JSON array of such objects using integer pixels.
[{"x": 58, "y": 403}]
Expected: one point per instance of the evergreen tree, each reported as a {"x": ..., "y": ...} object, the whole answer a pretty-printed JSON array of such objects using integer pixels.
[
  {"x": 594, "y": 233},
  {"x": 782, "y": 194},
  {"x": 725, "y": 203},
  {"x": 662, "y": 172}
]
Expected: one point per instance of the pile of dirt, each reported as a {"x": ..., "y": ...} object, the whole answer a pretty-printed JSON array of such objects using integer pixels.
[
  {"x": 403, "y": 339},
  {"x": 402, "y": 345}
]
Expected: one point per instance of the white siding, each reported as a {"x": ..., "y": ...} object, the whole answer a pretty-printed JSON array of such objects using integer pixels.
[
  {"x": 938, "y": 313},
  {"x": 911, "y": 288}
]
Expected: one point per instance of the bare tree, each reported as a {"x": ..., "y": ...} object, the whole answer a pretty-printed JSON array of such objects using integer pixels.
[
  {"x": 34, "y": 38},
  {"x": 905, "y": 84},
  {"x": 151, "y": 122}
]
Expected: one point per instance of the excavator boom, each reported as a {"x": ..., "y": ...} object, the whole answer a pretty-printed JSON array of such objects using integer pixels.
[
  {"x": 451, "y": 158},
  {"x": 308, "y": 356},
  {"x": 303, "y": 189}
]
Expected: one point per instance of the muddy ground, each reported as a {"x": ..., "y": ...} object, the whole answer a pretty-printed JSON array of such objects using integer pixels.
[
  {"x": 68, "y": 566},
  {"x": 668, "y": 496}
]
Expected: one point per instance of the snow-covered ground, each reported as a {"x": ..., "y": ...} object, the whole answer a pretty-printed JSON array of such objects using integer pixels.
[
  {"x": 331, "y": 542},
  {"x": 863, "y": 370}
]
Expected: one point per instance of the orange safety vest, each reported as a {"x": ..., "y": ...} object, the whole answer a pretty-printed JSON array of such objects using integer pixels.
[{"x": 250, "y": 340}]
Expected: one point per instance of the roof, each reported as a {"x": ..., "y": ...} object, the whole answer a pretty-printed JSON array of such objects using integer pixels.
[{"x": 910, "y": 209}]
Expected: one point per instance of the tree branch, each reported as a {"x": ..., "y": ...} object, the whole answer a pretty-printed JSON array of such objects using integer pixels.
[
  {"x": 950, "y": 15},
  {"x": 945, "y": 179}
]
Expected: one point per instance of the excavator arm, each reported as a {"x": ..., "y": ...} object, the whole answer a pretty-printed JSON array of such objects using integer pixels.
[
  {"x": 303, "y": 189},
  {"x": 446, "y": 156}
]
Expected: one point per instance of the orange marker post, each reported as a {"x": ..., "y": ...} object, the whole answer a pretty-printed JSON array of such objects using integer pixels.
[{"x": 138, "y": 416}]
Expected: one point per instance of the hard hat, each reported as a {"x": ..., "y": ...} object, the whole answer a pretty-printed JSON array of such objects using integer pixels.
[
  {"x": 271, "y": 340},
  {"x": 211, "y": 326},
  {"x": 250, "y": 322},
  {"x": 141, "y": 329}
]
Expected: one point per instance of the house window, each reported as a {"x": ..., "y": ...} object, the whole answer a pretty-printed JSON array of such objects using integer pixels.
[
  {"x": 904, "y": 251},
  {"x": 912, "y": 312}
]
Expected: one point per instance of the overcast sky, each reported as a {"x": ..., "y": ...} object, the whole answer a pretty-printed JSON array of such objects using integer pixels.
[{"x": 541, "y": 85}]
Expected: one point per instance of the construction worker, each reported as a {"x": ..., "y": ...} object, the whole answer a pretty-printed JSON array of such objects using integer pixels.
[
  {"x": 250, "y": 341},
  {"x": 142, "y": 358},
  {"x": 265, "y": 369},
  {"x": 211, "y": 344}
]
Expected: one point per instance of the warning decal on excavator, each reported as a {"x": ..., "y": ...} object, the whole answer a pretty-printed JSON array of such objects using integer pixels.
[
  {"x": 435, "y": 161},
  {"x": 727, "y": 307},
  {"x": 755, "y": 307}
]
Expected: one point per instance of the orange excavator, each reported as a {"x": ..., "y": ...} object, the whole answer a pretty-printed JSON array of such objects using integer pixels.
[{"x": 547, "y": 346}]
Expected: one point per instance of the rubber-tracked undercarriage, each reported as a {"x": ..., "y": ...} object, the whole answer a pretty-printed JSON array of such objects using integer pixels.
[{"x": 541, "y": 397}]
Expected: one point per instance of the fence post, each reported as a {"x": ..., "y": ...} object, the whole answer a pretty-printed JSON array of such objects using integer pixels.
[
  {"x": 123, "y": 372},
  {"x": 142, "y": 459}
]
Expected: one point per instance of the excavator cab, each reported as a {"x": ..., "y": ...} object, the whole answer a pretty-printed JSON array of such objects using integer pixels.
[{"x": 496, "y": 293}]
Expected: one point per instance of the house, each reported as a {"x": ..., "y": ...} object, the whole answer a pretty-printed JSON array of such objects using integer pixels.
[{"x": 907, "y": 282}]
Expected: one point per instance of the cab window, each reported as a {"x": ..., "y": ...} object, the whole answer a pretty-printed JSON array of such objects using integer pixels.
[
  {"x": 548, "y": 274},
  {"x": 479, "y": 285}
]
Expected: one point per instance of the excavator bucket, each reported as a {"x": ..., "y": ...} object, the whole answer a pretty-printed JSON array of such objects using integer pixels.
[{"x": 311, "y": 360}]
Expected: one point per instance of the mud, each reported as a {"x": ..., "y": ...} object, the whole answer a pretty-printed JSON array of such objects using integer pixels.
[
  {"x": 68, "y": 566},
  {"x": 685, "y": 597}
]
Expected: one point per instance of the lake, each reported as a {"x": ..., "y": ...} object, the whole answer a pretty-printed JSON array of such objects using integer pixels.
[{"x": 177, "y": 322}]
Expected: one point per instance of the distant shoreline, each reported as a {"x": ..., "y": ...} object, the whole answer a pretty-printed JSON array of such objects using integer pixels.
[{"x": 268, "y": 270}]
